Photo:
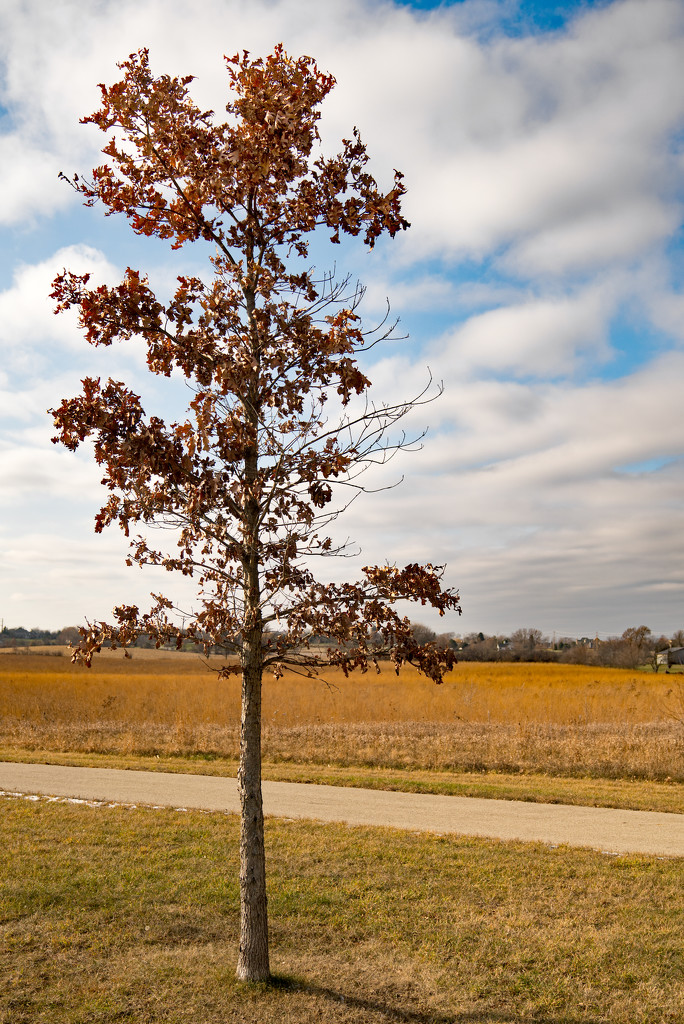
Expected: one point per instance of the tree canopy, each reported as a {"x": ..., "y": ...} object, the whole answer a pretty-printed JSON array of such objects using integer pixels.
[{"x": 263, "y": 345}]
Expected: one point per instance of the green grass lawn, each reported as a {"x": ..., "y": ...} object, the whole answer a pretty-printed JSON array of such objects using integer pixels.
[{"x": 116, "y": 914}]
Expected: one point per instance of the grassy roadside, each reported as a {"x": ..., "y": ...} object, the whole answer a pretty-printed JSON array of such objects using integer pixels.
[
  {"x": 627, "y": 794},
  {"x": 111, "y": 915}
]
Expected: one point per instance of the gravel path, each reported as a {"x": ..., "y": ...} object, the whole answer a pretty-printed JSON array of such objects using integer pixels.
[{"x": 612, "y": 831}]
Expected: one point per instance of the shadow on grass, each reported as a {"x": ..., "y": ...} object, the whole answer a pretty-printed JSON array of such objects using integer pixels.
[{"x": 291, "y": 983}]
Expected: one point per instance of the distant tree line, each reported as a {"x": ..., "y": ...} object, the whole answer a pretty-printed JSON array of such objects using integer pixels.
[
  {"x": 20, "y": 637},
  {"x": 636, "y": 646},
  {"x": 68, "y": 635}
]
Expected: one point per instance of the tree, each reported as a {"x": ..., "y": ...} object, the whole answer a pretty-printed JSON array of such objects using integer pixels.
[
  {"x": 527, "y": 640},
  {"x": 478, "y": 647},
  {"x": 69, "y": 635},
  {"x": 422, "y": 634},
  {"x": 280, "y": 420},
  {"x": 637, "y": 644}
]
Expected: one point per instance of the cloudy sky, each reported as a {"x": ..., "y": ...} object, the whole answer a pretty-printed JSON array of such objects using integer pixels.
[{"x": 542, "y": 281}]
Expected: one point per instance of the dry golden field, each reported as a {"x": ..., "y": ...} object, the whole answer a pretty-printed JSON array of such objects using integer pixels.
[{"x": 569, "y": 720}]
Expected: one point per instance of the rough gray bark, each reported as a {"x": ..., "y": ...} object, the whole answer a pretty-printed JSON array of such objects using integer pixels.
[{"x": 253, "y": 962}]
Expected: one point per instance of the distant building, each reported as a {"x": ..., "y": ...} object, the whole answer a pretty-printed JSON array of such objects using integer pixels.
[{"x": 672, "y": 656}]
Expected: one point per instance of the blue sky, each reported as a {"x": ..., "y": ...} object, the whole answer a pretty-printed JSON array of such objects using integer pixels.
[
  {"x": 541, "y": 281},
  {"x": 517, "y": 18}
]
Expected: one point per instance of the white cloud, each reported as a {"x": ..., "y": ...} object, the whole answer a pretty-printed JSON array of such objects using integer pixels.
[
  {"x": 548, "y": 131},
  {"x": 527, "y": 500},
  {"x": 424, "y": 293},
  {"x": 542, "y": 336},
  {"x": 667, "y": 311},
  {"x": 48, "y": 577},
  {"x": 596, "y": 239},
  {"x": 562, "y": 435},
  {"x": 30, "y": 186},
  {"x": 500, "y": 141},
  {"x": 47, "y": 354},
  {"x": 27, "y": 317},
  {"x": 42, "y": 473}
]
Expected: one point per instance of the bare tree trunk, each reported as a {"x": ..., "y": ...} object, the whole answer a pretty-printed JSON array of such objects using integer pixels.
[{"x": 253, "y": 963}]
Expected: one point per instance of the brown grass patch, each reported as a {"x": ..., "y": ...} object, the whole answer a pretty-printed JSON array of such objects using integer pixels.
[{"x": 112, "y": 914}]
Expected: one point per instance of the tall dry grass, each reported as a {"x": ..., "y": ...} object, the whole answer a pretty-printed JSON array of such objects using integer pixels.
[{"x": 560, "y": 719}]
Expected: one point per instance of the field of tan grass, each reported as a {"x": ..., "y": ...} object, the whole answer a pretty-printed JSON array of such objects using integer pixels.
[{"x": 569, "y": 720}]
